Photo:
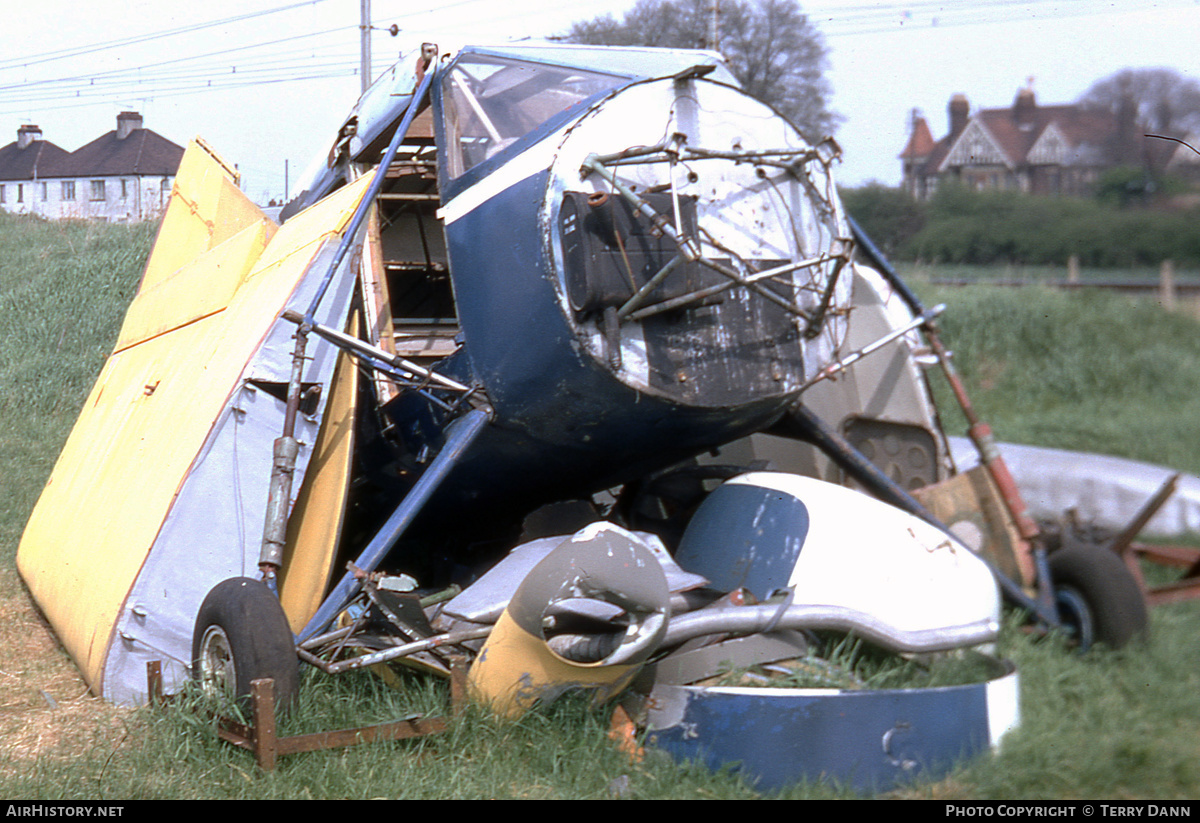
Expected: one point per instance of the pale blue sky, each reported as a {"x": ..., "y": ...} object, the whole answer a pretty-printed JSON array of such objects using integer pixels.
[{"x": 886, "y": 58}]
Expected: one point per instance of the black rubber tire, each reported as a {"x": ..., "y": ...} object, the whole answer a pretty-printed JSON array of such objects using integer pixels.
[
  {"x": 242, "y": 635},
  {"x": 1097, "y": 597}
]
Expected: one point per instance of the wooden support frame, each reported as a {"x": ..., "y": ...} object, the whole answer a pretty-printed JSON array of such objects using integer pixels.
[
  {"x": 376, "y": 302},
  {"x": 1187, "y": 586},
  {"x": 260, "y": 737}
]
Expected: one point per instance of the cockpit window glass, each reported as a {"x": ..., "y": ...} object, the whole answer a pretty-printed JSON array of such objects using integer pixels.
[{"x": 491, "y": 102}]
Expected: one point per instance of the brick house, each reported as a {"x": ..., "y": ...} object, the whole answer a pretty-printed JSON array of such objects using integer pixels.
[
  {"x": 1060, "y": 149},
  {"x": 124, "y": 175}
]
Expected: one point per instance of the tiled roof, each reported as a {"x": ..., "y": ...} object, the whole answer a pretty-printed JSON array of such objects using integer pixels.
[
  {"x": 920, "y": 143},
  {"x": 141, "y": 152},
  {"x": 940, "y": 149},
  {"x": 1078, "y": 126},
  {"x": 40, "y": 158}
]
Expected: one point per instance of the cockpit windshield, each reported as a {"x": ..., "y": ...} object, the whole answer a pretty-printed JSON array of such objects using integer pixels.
[{"x": 490, "y": 102}]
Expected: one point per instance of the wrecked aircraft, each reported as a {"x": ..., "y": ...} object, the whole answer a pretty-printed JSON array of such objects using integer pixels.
[{"x": 525, "y": 289}]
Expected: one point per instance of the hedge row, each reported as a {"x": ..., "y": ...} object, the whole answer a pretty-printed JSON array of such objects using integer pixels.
[{"x": 961, "y": 226}]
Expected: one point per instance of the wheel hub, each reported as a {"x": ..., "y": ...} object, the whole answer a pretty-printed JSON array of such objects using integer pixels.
[
  {"x": 217, "y": 672},
  {"x": 1076, "y": 616}
]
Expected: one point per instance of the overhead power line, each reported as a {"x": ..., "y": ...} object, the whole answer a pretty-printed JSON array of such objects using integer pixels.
[
  {"x": 92, "y": 48},
  {"x": 265, "y": 63},
  {"x": 901, "y": 18},
  {"x": 137, "y": 73}
]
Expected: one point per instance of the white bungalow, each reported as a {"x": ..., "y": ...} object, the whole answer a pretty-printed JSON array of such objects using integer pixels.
[{"x": 124, "y": 175}]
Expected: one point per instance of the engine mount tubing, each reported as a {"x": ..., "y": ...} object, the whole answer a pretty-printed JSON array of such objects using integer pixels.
[
  {"x": 687, "y": 245},
  {"x": 839, "y": 366},
  {"x": 702, "y": 294},
  {"x": 813, "y": 328},
  {"x": 459, "y": 436},
  {"x": 663, "y": 153},
  {"x": 653, "y": 283}
]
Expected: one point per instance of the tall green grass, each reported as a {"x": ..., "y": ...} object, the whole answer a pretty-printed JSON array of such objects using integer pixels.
[
  {"x": 1087, "y": 370},
  {"x": 562, "y": 752},
  {"x": 1121, "y": 725},
  {"x": 1104, "y": 725},
  {"x": 64, "y": 288}
]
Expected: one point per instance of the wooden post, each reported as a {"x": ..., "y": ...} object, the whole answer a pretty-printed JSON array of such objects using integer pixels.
[
  {"x": 1073, "y": 269},
  {"x": 1166, "y": 285},
  {"x": 459, "y": 666},
  {"x": 154, "y": 691},
  {"x": 266, "y": 749}
]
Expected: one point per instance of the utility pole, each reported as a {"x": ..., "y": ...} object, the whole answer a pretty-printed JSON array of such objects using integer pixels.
[
  {"x": 714, "y": 27},
  {"x": 364, "y": 28}
]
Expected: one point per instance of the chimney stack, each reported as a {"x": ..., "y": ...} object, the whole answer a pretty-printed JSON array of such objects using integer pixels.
[
  {"x": 127, "y": 122},
  {"x": 960, "y": 113},
  {"x": 1024, "y": 110},
  {"x": 27, "y": 134}
]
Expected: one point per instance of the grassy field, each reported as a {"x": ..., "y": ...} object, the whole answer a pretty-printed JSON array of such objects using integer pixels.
[
  {"x": 1090, "y": 370},
  {"x": 1079, "y": 371}
]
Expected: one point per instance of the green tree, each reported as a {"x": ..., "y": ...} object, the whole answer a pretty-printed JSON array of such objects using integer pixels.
[
  {"x": 771, "y": 47},
  {"x": 1163, "y": 99}
]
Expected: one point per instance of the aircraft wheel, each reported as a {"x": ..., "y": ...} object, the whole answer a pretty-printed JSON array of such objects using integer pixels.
[
  {"x": 242, "y": 635},
  {"x": 1097, "y": 597}
]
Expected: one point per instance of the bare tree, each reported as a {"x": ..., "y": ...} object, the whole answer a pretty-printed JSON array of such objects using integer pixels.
[
  {"x": 1165, "y": 100},
  {"x": 772, "y": 49}
]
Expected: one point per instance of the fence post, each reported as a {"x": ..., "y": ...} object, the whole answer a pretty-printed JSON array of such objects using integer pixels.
[
  {"x": 266, "y": 747},
  {"x": 1073, "y": 269},
  {"x": 1166, "y": 285}
]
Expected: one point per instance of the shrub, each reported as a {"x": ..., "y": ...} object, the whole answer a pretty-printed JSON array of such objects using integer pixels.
[
  {"x": 888, "y": 216},
  {"x": 963, "y": 226}
]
